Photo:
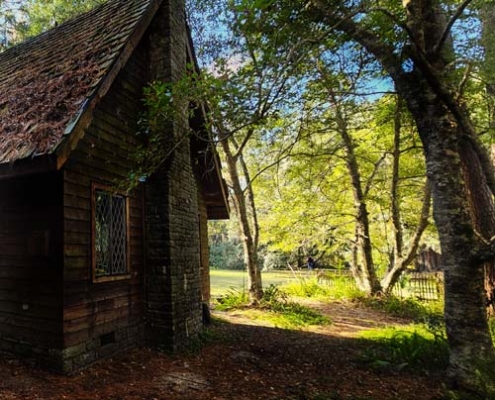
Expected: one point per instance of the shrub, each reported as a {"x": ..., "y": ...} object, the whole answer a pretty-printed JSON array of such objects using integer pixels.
[
  {"x": 232, "y": 299},
  {"x": 276, "y": 301},
  {"x": 405, "y": 308},
  {"x": 491, "y": 324},
  {"x": 419, "y": 349},
  {"x": 325, "y": 286}
]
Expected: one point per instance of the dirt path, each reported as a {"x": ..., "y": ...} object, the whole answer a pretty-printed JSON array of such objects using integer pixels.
[
  {"x": 243, "y": 361},
  {"x": 348, "y": 319}
]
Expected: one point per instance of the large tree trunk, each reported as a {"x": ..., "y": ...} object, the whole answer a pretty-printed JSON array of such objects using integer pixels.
[
  {"x": 488, "y": 74},
  {"x": 452, "y": 174},
  {"x": 457, "y": 168},
  {"x": 445, "y": 128}
]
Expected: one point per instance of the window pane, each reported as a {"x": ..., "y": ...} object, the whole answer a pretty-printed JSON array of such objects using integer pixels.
[
  {"x": 119, "y": 236},
  {"x": 110, "y": 234}
]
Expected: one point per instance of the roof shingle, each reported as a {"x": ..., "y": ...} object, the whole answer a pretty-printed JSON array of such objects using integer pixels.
[{"x": 46, "y": 81}]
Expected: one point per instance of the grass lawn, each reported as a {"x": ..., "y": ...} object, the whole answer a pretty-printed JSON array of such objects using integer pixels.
[{"x": 223, "y": 280}]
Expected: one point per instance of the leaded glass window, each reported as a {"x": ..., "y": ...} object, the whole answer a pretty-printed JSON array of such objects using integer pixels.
[{"x": 110, "y": 234}]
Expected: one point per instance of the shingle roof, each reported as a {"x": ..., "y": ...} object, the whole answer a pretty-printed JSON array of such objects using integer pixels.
[{"x": 47, "y": 81}]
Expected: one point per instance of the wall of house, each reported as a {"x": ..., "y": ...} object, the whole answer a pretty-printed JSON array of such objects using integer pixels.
[
  {"x": 173, "y": 311},
  {"x": 204, "y": 250},
  {"x": 31, "y": 266},
  {"x": 100, "y": 318}
]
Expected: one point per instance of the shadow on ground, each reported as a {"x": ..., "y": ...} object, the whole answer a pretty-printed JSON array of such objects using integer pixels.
[{"x": 238, "y": 362}]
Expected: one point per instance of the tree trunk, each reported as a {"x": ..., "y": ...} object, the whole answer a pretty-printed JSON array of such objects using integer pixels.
[
  {"x": 400, "y": 261},
  {"x": 465, "y": 302},
  {"x": 250, "y": 251},
  {"x": 364, "y": 266},
  {"x": 251, "y": 211},
  {"x": 482, "y": 210},
  {"x": 444, "y": 127},
  {"x": 488, "y": 73},
  {"x": 456, "y": 164}
]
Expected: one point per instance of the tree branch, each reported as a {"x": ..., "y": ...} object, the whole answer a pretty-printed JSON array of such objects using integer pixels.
[
  {"x": 376, "y": 167},
  {"x": 448, "y": 27}
]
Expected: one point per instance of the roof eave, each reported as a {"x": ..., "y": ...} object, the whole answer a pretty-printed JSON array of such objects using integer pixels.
[
  {"x": 216, "y": 193},
  {"x": 28, "y": 166}
]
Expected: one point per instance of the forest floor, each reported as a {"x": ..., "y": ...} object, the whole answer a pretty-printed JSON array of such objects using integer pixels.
[{"x": 243, "y": 359}]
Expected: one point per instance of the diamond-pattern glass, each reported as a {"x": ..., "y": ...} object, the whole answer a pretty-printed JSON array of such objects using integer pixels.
[{"x": 110, "y": 234}]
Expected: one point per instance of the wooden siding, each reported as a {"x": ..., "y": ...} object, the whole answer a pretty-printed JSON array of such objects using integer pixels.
[
  {"x": 30, "y": 265},
  {"x": 92, "y": 309}
]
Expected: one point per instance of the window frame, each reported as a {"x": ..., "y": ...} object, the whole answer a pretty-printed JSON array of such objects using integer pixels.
[{"x": 95, "y": 186}]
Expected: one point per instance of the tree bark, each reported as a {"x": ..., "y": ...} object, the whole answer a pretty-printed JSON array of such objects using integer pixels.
[
  {"x": 251, "y": 211},
  {"x": 400, "y": 261},
  {"x": 442, "y": 133},
  {"x": 443, "y": 126},
  {"x": 250, "y": 251},
  {"x": 488, "y": 74},
  {"x": 366, "y": 271}
]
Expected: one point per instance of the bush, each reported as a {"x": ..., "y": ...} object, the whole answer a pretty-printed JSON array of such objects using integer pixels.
[
  {"x": 324, "y": 286},
  {"x": 491, "y": 325},
  {"x": 293, "y": 314},
  {"x": 275, "y": 306},
  {"x": 419, "y": 349},
  {"x": 232, "y": 299},
  {"x": 405, "y": 308},
  {"x": 306, "y": 287}
]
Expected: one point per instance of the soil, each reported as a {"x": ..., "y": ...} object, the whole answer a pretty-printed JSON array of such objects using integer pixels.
[{"x": 243, "y": 359}]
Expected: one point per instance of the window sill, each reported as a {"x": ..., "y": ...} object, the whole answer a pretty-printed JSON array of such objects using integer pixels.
[{"x": 111, "y": 278}]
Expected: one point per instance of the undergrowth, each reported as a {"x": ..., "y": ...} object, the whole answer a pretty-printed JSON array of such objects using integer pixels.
[
  {"x": 405, "y": 308},
  {"x": 421, "y": 346},
  {"x": 233, "y": 299},
  {"x": 491, "y": 325},
  {"x": 275, "y": 306},
  {"x": 418, "y": 348},
  {"x": 323, "y": 288},
  {"x": 277, "y": 302}
]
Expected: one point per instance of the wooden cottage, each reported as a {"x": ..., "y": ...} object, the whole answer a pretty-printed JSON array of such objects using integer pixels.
[{"x": 87, "y": 270}]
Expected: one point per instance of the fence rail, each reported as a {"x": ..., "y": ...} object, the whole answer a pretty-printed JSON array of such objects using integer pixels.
[{"x": 426, "y": 286}]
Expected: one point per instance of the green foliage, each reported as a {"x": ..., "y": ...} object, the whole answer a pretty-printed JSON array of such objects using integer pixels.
[
  {"x": 227, "y": 255},
  {"x": 491, "y": 325},
  {"x": 274, "y": 306},
  {"x": 485, "y": 374},
  {"x": 406, "y": 308},
  {"x": 333, "y": 288},
  {"x": 416, "y": 349},
  {"x": 307, "y": 287},
  {"x": 292, "y": 313},
  {"x": 42, "y": 15},
  {"x": 233, "y": 299},
  {"x": 159, "y": 128},
  {"x": 421, "y": 347}
]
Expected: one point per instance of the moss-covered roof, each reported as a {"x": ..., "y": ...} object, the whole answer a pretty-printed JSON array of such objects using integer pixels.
[{"x": 47, "y": 82}]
